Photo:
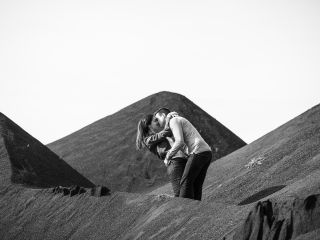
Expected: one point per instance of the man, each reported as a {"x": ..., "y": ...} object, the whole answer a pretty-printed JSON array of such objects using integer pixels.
[{"x": 185, "y": 133}]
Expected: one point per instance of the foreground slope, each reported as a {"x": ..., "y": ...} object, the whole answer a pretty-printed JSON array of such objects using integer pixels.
[
  {"x": 24, "y": 160},
  {"x": 291, "y": 218},
  {"x": 105, "y": 153},
  {"x": 41, "y": 214}
]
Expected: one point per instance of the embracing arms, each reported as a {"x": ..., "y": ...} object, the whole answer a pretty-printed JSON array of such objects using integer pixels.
[
  {"x": 156, "y": 138},
  {"x": 176, "y": 128}
]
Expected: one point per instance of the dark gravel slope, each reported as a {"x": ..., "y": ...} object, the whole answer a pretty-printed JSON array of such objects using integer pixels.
[{"x": 105, "y": 153}]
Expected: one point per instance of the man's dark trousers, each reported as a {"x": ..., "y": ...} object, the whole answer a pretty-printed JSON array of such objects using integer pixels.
[{"x": 194, "y": 174}]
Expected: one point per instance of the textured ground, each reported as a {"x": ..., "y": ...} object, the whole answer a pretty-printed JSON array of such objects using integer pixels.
[{"x": 40, "y": 214}]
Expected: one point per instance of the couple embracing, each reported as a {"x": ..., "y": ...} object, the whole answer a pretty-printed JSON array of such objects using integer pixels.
[{"x": 178, "y": 143}]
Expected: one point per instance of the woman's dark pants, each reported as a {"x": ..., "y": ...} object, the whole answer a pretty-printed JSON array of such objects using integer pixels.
[
  {"x": 194, "y": 174},
  {"x": 175, "y": 171}
]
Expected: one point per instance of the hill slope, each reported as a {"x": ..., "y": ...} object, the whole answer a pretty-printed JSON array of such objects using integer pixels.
[
  {"x": 105, "y": 153},
  {"x": 285, "y": 161},
  {"x": 24, "y": 160}
]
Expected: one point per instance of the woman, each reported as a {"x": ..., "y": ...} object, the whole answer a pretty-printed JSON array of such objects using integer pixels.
[{"x": 158, "y": 144}]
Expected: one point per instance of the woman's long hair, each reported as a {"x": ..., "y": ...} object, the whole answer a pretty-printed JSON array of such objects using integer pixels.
[{"x": 143, "y": 129}]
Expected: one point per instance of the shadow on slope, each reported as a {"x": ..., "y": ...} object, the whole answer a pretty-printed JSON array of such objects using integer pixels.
[{"x": 261, "y": 194}]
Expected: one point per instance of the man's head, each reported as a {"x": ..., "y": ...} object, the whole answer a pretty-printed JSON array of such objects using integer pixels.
[{"x": 160, "y": 116}]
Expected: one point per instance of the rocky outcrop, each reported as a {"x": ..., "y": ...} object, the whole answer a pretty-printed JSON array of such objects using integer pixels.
[
  {"x": 284, "y": 220},
  {"x": 97, "y": 191}
]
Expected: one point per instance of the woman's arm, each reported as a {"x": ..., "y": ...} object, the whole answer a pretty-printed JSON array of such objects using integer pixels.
[
  {"x": 166, "y": 132},
  {"x": 154, "y": 139}
]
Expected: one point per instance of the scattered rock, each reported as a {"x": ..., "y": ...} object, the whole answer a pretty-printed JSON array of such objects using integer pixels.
[
  {"x": 100, "y": 191},
  {"x": 71, "y": 191},
  {"x": 254, "y": 162},
  {"x": 162, "y": 197},
  {"x": 97, "y": 191}
]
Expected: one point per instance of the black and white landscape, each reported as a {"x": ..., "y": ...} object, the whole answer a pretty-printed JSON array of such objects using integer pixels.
[{"x": 84, "y": 187}]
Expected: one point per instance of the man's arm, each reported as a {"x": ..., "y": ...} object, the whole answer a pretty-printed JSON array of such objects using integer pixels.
[
  {"x": 156, "y": 138},
  {"x": 176, "y": 128},
  {"x": 169, "y": 117}
]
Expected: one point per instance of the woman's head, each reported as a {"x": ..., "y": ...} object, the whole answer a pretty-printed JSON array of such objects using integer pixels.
[{"x": 143, "y": 130}]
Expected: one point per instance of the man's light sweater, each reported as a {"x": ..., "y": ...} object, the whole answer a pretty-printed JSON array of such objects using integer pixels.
[{"x": 185, "y": 133}]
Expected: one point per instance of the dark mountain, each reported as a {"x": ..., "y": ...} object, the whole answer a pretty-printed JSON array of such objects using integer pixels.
[
  {"x": 105, "y": 153},
  {"x": 24, "y": 160}
]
